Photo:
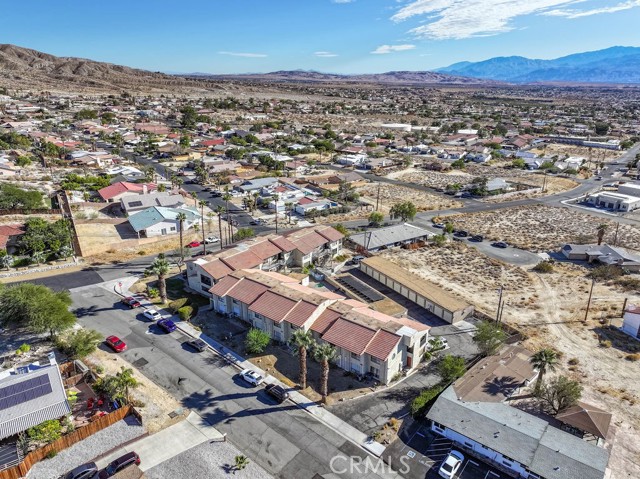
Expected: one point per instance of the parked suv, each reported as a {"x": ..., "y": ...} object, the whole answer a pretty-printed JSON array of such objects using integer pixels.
[
  {"x": 277, "y": 392},
  {"x": 119, "y": 464}
]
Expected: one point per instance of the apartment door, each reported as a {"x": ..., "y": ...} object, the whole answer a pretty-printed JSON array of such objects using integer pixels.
[{"x": 409, "y": 361}]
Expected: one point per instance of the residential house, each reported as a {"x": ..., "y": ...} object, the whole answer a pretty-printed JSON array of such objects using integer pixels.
[
  {"x": 257, "y": 184},
  {"x": 604, "y": 254},
  {"x": 389, "y": 237},
  {"x": 614, "y": 201},
  {"x": 367, "y": 341},
  {"x": 129, "y": 173},
  {"x": 298, "y": 248},
  {"x": 9, "y": 237},
  {"x": 115, "y": 192},
  {"x": 133, "y": 203},
  {"x": 161, "y": 221},
  {"x": 474, "y": 415},
  {"x": 31, "y": 395}
]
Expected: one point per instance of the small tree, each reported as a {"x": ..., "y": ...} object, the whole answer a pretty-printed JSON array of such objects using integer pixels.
[
  {"x": 47, "y": 431},
  {"x": 376, "y": 218},
  {"x": 406, "y": 211},
  {"x": 160, "y": 267},
  {"x": 7, "y": 261},
  {"x": 256, "y": 341},
  {"x": 543, "y": 360},
  {"x": 451, "y": 368},
  {"x": 560, "y": 394},
  {"x": 241, "y": 462},
  {"x": 340, "y": 228},
  {"x": 489, "y": 337},
  {"x": 185, "y": 313},
  {"x": 80, "y": 343},
  {"x": 438, "y": 240},
  {"x": 601, "y": 230}
]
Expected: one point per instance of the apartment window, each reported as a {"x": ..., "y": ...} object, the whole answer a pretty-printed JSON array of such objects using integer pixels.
[
  {"x": 355, "y": 356},
  {"x": 423, "y": 340},
  {"x": 173, "y": 228},
  {"x": 205, "y": 280},
  {"x": 375, "y": 372},
  {"x": 234, "y": 301},
  {"x": 374, "y": 360},
  {"x": 205, "y": 288}
]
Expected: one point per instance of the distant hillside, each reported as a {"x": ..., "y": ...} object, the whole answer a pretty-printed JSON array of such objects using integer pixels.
[
  {"x": 399, "y": 77},
  {"x": 30, "y": 69},
  {"x": 612, "y": 65}
]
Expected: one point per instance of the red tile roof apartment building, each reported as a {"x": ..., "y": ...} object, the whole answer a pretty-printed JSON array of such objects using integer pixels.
[{"x": 366, "y": 341}]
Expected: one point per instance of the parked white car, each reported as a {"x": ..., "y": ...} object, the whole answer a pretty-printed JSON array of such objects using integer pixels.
[
  {"x": 212, "y": 239},
  {"x": 251, "y": 377},
  {"x": 152, "y": 315},
  {"x": 451, "y": 465}
]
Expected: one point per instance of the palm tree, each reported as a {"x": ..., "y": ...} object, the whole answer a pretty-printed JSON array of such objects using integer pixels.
[
  {"x": 125, "y": 381},
  {"x": 160, "y": 267},
  {"x": 601, "y": 229},
  {"x": 289, "y": 207},
  {"x": 303, "y": 341},
  {"x": 255, "y": 195},
  {"x": 227, "y": 197},
  {"x": 202, "y": 204},
  {"x": 181, "y": 217},
  {"x": 276, "y": 198},
  {"x": 323, "y": 354},
  {"x": 194, "y": 195},
  {"x": 544, "y": 360},
  {"x": 219, "y": 210}
]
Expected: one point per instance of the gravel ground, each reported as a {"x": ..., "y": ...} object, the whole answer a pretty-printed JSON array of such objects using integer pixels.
[
  {"x": 87, "y": 450},
  {"x": 209, "y": 460}
]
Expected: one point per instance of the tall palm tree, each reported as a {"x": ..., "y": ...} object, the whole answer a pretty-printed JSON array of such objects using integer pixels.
[
  {"x": 544, "y": 360},
  {"x": 202, "y": 204},
  {"x": 289, "y": 208},
  {"x": 126, "y": 381},
  {"x": 181, "y": 217},
  {"x": 303, "y": 341},
  {"x": 160, "y": 267},
  {"x": 227, "y": 197},
  {"x": 194, "y": 195},
  {"x": 219, "y": 210},
  {"x": 324, "y": 353},
  {"x": 255, "y": 195},
  {"x": 601, "y": 229},
  {"x": 276, "y": 198}
]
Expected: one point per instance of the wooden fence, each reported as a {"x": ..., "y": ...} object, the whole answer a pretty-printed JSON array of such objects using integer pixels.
[
  {"x": 34, "y": 211},
  {"x": 66, "y": 441}
]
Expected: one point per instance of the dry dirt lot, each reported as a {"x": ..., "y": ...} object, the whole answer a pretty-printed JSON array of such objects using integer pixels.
[
  {"x": 157, "y": 402},
  {"x": 543, "y": 228},
  {"x": 550, "y": 310},
  {"x": 392, "y": 194},
  {"x": 597, "y": 154}
]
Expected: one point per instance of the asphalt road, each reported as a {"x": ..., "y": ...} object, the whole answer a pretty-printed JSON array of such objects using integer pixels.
[{"x": 286, "y": 441}]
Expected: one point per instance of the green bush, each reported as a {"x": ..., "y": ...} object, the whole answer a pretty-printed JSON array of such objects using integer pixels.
[
  {"x": 543, "y": 267},
  {"x": 256, "y": 341},
  {"x": 420, "y": 404},
  {"x": 175, "y": 305},
  {"x": 46, "y": 432},
  {"x": 185, "y": 313},
  {"x": 24, "y": 348},
  {"x": 153, "y": 292},
  {"x": 51, "y": 454},
  {"x": 451, "y": 368}
]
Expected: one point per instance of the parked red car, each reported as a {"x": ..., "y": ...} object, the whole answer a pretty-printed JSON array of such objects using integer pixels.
[
  {"x": 131, "y": 302},
  {"x": 115, "y": 343},
  {"x": 194, "y": 244}
]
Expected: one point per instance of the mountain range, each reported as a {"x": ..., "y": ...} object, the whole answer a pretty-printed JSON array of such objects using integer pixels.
[{"x": 611, "y": 65}]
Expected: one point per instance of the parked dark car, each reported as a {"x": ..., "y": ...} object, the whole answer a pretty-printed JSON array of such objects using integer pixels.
[
  {"x": 216, "y": 194},
  {"x": 119, "y": 464},
  {"x": 197, "y": 344},
  {"x": 477, "y": 238},
  {"x": 82, "y": 472},
  {"x": 131, "y": 302},
  {"x": 167, "y": 325},
  {"x": 277, "y": 392},
  {"x": 499, "y": 244},
  {"x": 461, "y": 234}
]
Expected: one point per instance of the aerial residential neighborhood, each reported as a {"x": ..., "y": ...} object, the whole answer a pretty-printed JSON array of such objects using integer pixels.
[{"x": 262, "y": 270}]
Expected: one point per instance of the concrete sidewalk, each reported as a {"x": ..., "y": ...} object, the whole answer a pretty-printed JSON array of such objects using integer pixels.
[
  {"x": 169, "y": 442},
  {"x": 344, "y": 429}
]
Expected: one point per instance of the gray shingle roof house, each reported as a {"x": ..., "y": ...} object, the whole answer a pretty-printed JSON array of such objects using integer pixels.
[
  {"x": 473, "y": 413},
  {"x": 29, "y": 396},
  {"x": 390, "y": 236},
  {"x": 604, "y": 253}
]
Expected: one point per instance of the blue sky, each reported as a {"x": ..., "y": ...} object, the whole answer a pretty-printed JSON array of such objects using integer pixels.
[{"x": 340, "y": 36}]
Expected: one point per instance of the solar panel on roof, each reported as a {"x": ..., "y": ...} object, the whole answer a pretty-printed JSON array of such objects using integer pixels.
[
  {"x": 133, "y": 204},
  {"x": 24, "y": 391},
  {"x": 361, "y": 289}
]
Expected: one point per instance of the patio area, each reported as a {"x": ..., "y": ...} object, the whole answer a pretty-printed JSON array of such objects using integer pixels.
[{"x": 87, "y": 406}]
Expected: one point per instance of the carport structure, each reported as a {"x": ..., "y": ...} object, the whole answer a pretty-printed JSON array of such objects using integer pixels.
[{"x": 585, "y": 420}]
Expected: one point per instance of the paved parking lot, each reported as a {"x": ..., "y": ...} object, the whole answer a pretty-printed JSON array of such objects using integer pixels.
[{"x": 423, "y": 452}]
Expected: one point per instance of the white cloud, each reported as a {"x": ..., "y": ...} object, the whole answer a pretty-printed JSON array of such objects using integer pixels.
[
  {"x": 383, "y": 49},
  {"x": 325, "y": 54},
  {"x": 246, "y": 55},
  {"x": 572, "y": 13},
  {"x": 457, "y": 19},
  {"x": 342, "y": 1}
]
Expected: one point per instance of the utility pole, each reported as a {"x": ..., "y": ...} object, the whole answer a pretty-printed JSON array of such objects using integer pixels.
[
  {"x": 615, "y": 238},
  {"x": 586, "y": 313},
  {"x": 499, "y": 305},
  {"x": 378, "y": 198}
]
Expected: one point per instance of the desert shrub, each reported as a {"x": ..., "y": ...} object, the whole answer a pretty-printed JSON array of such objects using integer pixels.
[
  {"x": 633, "y": 357},
  {"x": 605, "y": 344},
  {"x": 153, "y": 292},
  {"x": 605, "y": 272},
  {"x": 574, "y": 361},
  {"x": 628, "y": 283},
  {"x": 100, "y": 369},
  {"x": 175, "y": 305},
  {"x": 543, "y": 267},
  {"x": 185, "y": 313},
  {"x": 420, "y": 404},
  {"x": 79, "y": 343},
  {"x": 51, "y": 454},
  {"x": 256, "y": 341},
  {"x": 24, "y": 348}
]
